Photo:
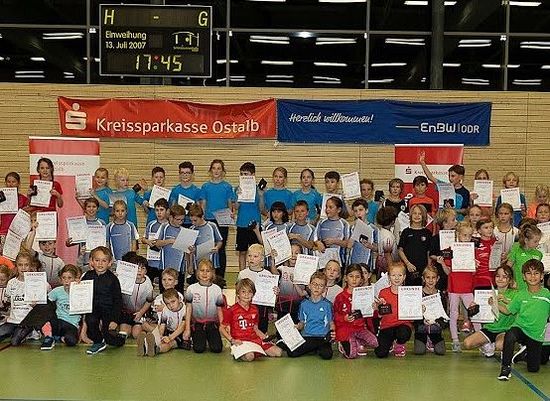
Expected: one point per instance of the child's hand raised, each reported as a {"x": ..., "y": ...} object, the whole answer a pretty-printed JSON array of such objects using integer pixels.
[{"x": 422, "y": 157}]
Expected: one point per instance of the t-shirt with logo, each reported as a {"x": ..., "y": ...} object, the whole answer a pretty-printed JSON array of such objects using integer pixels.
[
  {"x": 504, "y": 322},
  {"x": 518, "y": 256},
  {"x": 205, "y": 300},
  {"x": 120, "y": 238},
  {"x": 241, "y": 322},
  {"x": 15, "y": 294},
  {"x": 172, "y": 319},
  {"x": 170, "y": 256},
  {"x": 416, "y": 244},
  {"x": 532, "y": 309},
  {"x": 316, "y": 316},
  {"x": 141, "y": 294},
  {"x": 391, "y": 320}
]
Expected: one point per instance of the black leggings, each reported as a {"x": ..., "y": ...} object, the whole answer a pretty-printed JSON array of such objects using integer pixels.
[
  {"x": 203, "y": 333},
  {"x": 400, "y": 334},
  {"x": 224, "y": 231},
  {"x": 318, "y": 344},
  {"x": 98, "y": 329},
  {"x": 534, "y": 349},
  {"x": 61, "y": 328}
]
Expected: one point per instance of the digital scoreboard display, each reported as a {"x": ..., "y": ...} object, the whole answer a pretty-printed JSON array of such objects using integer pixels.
[{"x": 155, "y": 41}]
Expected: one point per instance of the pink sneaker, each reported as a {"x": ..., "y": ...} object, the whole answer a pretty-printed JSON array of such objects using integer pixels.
[{"x": 399, "y": 350}]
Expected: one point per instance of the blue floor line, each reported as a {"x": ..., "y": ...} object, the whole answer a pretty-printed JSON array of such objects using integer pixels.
[{"x": 534, "y": 388}]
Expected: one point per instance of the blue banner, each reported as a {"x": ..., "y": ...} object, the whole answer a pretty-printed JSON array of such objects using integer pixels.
[{"x": 383, "y": 122}]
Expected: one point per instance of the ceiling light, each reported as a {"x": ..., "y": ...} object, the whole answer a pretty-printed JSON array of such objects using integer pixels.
[
  {"x": 327, "y": 82},
  {"x": 335, "y": 41},
  {"x": 275, "y": 76},
  {"x": 271, "y": 42},
  {"x": 280, "y": 81},
  {"x": 388, "y": 64},
  {"x": 451, "y": 65},
  {"x": 224, "y": 61},
  {"x": 342, "y": 1},
  {"x": 406, "y": 41},
  {"x": 329, "y": 64},
  {"x": 322, "y": 78},
  {"x": 276, "y": 62},
  {"x": 381, "y": 81},
  {"x": 38, "y": 59},
  {"x": 525, "y": 3},
  {"x": 305, "y": 35}
]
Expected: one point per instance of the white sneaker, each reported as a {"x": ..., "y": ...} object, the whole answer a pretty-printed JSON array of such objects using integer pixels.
[
  {"x": 488, "y": 350},
  {"x": 34, "y": 335}
]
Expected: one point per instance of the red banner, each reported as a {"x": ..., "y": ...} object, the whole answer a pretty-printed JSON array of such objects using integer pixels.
[
  {"x": 438, "y": 158},
  {"x": 148, "y": 118}
]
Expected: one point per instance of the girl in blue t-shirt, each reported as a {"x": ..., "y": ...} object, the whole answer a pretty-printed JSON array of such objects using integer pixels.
[
  {"x": 217, "y": 194},
  {"x": 308, "y": 193},
  {"x": 334, "y": 231},
  {"x": 279, "y": 192}
]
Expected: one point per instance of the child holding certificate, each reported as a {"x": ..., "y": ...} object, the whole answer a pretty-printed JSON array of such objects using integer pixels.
[
  {"x": 50, "y": 262},
  {"x": 316, "y": 321},
  {"x": 428, "y": 334},
  {"x": 171, "y": 257},
  {"x": 240, "y": 322},
  {"x": 5, "y": 275},
  {"x": 289, "y": 298},
  {"x": 309, "y": 194},
  {"x": 524, "y": 250},
  {"x": 122, "y": 234},
  {"x": 367, "y": 194},
  {"x": 122, "y": 178},
  {"x": 278, "y": 217},
  {"x": 209, "y": 236},
  {"x": 157, "y": 177},
  {"x": 333, "y": 232},
  {"x": 300, "y": 231},
  {"x": 279, "y": 192},
  {"x": 393, "y": 332},
  {"x": 532, "y": 308},
  {"x": 505, "y": 232},
  {"x": 491, "y": 336},
  {"x": 511, "y": 180},
  {"x": 333, "y": 271},
  {"x": 151, "y": 230},
  {"x": 351, "y": 333},
  {"x": 44, "y": 168},
  {"x": 204, "y": 302},
  {"x": 185, "y": 192},
  {"x": 483, "y": 277},
  {"x": 100, "y": 193},
  {"x": 13, "y": 180},
  {"x": 475, "y": 213},
  {"x": 102, "y": 323},
  {"x": 414, "y": 245},
  {"x": 362, "y": 250},
  {"x": 446, "y": 220},
  {"x": 387, "y": 241},
  {"x": 460, "y": 288}
]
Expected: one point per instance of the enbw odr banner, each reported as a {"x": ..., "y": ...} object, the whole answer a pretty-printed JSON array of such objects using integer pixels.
[
  {"x": 383, "y": 121},
  {"x": 155, "y": 118}
]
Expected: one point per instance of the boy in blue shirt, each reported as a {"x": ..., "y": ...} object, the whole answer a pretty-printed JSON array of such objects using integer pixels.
[
  {"x": 186, "y": 188},
  {"x": 316, "y": 320},
  {"x": 151, "y": 232},
  {"x": 166, "y": 236},
  {"x": 158, "y": 176}
]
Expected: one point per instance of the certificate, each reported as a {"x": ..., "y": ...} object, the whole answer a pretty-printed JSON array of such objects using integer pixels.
[
  {"x": 224, "y": 218},
  {"x": 305, "y": 266},
  {"x": 114, "y": 196},
  {"x": 544, "y": 227},
  {"x": 511, "y": 196},
  {"x": 281, "y": 244},
  {"x": 289, "y": 333},
  {"x": 158, "y": 193},
  {"x": 463, "y": 257},
  {"x": 484, "y": 191},
  {"x": 46, "y": 229},
  {"x": 265, "y": 239},
  {"x": 186, "y": 238},
  {"x": 12, "y": 245},
  {"x": 11, "y": 204},
  {"x": 43, "y": 196},
  {"x": 350, "y": 186},
  {"x": 446, "y": 239},
  {"x": 151, "y": 254},
  {"x": 265, "y": 282},
  {"x": 203, "y": 251},
  {"x": 247, "y": 189},
  {"x": 21, "y": 223},
  {"x": 324, "y": 204},
  {"x": 495, "y": 259},
  {"x": 77, "y": 229},
  {"x": 83, "y": 183},
  {"x": 97, "y": 236},
  {"x": 36, "y": 287},
  {"x": 381, "y": 283},
  {"x": 485, "y": 315},
  {"x": 126, "y": 273},
  {"x": 184, "y": 201},
  {"x": 403, "y": 221},
  {"x": 327, "y": 256},
  {"x": 81, "y": 296},
  {"x": 545, "y": 260},
  {"x": 409, "y": 298},
  {"x": 362, "y": 232},
  {"x": 247, "y": 346},
  {"x": 433, "y": 308},
  {"x": 362, "y": 299},
  {"x": 446, "y": 193}
]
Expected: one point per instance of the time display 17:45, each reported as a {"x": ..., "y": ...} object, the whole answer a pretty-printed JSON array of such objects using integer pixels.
[{"x": 159, "y": 62}]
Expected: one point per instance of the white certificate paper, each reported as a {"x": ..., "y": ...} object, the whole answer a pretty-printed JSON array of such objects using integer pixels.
[
  {"x": 97, "y": 236},
  {"x": 305, "y": 266},
  {"x": 11, "y": 204},
  {"x": 12, "y": 245},
  {"x": 223, "y": 217},
  {"x": 381, "y": 283},
  {"x": 185, "y": 239},
  {"x": 81, "y": 297},
  {"x": 265, "y": 282},
  {"x": 350, "y": 186},
  {"x": 485, "y": 315},
  {"x": 158, "y": 193},
  {"x": 152, "y": 255},
  {"x": 463, "y": 257},
  {"x": 484, "y": 191},
  {"x": 362, "y": 231},
  {"x": 21, "y": 223},
  {"x": 203, "y": 251},
  {"x": 289, "y": 333},
  {"x": 362, "y": 299},
  {"x": 247, "y": 189},
  {"x": 446, "y": 239},
  {"x": 36, "y": 287},
  {"x": 247, "y": 346},
  {"x": 47, "y": 226},
  {"x": 184, "y": 200},
  {"x": 324, "y": 204},
  {"x": 409, "y": 298},
  {"x": 545, "y": 260},
  {"x": 77, "y": 229},
  {"x": 43, "y": 196},
  {"x": 511, "y": 196},
  {"x": 544, "y": 227},
  {"x": 83, "y": 183},
  {"x": 327, "y": 256},
  {"x": 281, "y": 244},
  {"x": 266, "y": 234},
  {"x": 433, "y": 308},
  {"x": 446, "y": 192},
  {"x": 495, "y": 259},
  {"x": 126, "y": 273}
]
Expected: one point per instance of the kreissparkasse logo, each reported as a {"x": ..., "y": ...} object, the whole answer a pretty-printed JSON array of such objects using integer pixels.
[{"x": 75, "y": 119}]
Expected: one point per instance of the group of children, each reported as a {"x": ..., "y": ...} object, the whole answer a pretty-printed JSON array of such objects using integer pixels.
[{"x": 402, "y": 241}]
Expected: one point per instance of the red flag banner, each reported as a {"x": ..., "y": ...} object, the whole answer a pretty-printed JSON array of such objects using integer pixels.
[{"x": 152, "y": 118}]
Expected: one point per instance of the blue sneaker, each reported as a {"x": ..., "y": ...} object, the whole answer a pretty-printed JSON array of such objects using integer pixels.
[
  {"x": 96, "y": 348},
  {"x": 47, "y": 344}
]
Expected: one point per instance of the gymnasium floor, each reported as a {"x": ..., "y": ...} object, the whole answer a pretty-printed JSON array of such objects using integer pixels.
[{"x": 118, "y": 374}]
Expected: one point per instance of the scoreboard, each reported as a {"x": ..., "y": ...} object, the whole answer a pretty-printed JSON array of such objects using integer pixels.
[{"x": 155, "y": 41}]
